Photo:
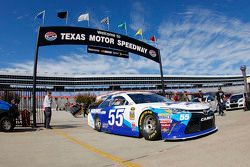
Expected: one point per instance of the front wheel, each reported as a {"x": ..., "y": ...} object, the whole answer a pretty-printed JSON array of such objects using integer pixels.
[
  {"x": 149, "y": 126},
  {"x": 98, "y": 124},
  {"x": 6, "y": 124}
]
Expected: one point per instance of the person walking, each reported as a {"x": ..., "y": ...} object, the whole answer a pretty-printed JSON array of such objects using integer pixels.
[
  {"x": 47, "y": 103},
  {"x": 220, "y": 99}
]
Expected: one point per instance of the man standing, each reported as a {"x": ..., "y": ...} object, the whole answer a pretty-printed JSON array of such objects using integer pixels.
[
  {"x": 47, "y": 103},
  {"x": 220, "y": 99},
  {"x": 200, "y": 96}
]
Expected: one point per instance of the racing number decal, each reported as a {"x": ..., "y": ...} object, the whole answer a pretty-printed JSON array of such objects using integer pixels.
[
  {"x": 184, "y": 117},
  {"x": 116, "y": 117}
]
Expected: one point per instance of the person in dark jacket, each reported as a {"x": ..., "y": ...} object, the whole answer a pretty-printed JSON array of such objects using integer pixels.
[{"x": 220, "y": 99}]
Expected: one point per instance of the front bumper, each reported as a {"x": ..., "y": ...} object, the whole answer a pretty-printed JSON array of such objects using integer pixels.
[{"x": 198, "y": 125}]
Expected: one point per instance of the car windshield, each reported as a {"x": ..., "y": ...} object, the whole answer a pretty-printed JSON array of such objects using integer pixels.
[
  {"x": 236, "y": 97},
  {"x": 148, "y": 98}
]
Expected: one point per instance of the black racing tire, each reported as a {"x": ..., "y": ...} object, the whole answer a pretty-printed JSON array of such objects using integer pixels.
[
  {"x": 98, "y": 124},
  {"x": 6, "y": 124},
  {"x": 150, "y": 127}
]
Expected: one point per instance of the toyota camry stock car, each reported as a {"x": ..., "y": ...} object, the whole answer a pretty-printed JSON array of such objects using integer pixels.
[{"x": 151, "y": 116}]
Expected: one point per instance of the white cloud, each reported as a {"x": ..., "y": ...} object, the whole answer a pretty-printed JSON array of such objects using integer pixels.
[
  {"x": 138, "y": 17},
  {"x": 76, "y": 63},
  {"x": 199, "y": 42},
  {"x": 204, "y": 42}
]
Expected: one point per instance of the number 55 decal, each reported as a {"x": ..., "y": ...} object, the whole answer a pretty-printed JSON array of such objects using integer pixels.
[
  {"x": 116, "y": 117},
  {"x": 184, "y": 117}
]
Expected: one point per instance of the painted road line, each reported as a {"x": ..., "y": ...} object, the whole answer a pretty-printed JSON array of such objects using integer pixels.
[{"x": 95, "y": 150}]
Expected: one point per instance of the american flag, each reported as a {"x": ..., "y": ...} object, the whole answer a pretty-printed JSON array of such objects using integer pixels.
[{"x": 105, "y": 20}]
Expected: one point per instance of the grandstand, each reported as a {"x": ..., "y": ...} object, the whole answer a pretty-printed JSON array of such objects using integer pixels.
[{"x": 102, "y": 82}]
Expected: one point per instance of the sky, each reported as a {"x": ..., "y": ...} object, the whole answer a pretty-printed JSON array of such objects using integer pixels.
[{"x": 208, "y": 37}]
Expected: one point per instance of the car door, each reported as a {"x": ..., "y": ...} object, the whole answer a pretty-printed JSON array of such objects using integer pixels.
[{"x": 117, "y": 116}]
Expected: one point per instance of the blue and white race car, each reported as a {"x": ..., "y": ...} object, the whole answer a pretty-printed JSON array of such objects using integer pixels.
[{"x": 151, "y": 116}]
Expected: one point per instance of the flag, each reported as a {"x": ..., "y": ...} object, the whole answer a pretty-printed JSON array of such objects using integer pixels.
[
  {"x": 83, "y": 17},
  {"x": 105, "y": 20},
  {"x": 62, "y": 15},
  {"x": 122, "y": 26},
  {"x": 139, "y": 32},
  {"x": 40, "y": 15},
  {"x": 153, "y": 39}
]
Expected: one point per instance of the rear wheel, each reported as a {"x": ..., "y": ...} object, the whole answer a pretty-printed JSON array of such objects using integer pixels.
[
  {"x": 150, "y": 126},
  {"x": 6, "y": 124},
  {"x": 98, "y": 124}
]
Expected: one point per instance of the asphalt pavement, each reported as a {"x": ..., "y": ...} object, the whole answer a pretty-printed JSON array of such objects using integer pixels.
[{"x": 72, "y": 143}]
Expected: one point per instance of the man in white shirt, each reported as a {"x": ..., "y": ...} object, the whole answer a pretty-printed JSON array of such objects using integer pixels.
[{"x": 47, "y": 103}]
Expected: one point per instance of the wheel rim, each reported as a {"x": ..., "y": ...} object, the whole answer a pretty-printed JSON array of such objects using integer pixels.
[
  {"x": 149, "y": 124},
  {"x": 98, "y": 123},
  {"x": 6, "y": 124}
]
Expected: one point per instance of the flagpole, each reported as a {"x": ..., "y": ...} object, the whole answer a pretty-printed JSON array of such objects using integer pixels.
[
  {"x": 67, "y": 17},
  {"x": 126, "y": 28},
  {"x": 43, "y": 17},
  {"x": 155, "y": 42},
  {"x": 108, "y": 23}
]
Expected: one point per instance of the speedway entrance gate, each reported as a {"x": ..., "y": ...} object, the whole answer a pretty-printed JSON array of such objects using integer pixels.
[{"x": 98, "y": 41}]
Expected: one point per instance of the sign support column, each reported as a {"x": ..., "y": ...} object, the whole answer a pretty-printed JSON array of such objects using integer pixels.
[
  {"x": 34, "y": 81},
  {"x": 162, "y": 77}
]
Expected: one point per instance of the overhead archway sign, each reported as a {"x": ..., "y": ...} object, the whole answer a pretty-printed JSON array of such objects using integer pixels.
[
  {"x": 98, "y": 41},
  {"x": 95, "y": 37}
]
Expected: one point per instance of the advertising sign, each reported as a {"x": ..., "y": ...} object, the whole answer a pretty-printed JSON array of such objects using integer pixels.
[
  {"x": 95, "y": 37},
  {"x": 107, "y": 51}
]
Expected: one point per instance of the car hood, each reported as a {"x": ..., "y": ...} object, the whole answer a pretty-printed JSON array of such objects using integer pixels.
[
  {"x": 4, "y": 105},
  {"x": 190, "y": 106}
]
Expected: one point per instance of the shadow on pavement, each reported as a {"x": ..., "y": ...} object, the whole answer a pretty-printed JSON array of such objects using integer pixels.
[{"x": 66, "y": 126}]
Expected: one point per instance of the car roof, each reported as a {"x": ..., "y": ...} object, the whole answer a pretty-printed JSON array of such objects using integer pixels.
[{"x": 237, "y": 94}]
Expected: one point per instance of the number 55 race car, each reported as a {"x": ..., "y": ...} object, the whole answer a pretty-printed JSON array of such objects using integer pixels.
[{"x": 151, "y": 116}]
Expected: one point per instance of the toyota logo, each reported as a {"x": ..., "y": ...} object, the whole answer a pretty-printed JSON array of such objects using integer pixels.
[{"x": 205, "y": 112}]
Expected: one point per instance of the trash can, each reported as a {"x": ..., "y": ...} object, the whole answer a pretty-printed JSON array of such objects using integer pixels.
[{"x": 25, "y": 116}]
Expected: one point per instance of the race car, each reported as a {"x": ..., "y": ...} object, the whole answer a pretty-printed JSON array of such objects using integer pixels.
[{"x": 151, "y": 116}]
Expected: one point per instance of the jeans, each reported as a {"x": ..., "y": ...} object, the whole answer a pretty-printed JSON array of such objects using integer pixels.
[
  {"x": 221, "y": 108},
  {"x": 47, "y": 114}
]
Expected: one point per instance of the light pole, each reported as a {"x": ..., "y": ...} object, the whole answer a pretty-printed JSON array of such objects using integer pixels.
[{"x": 243, "y": 70}]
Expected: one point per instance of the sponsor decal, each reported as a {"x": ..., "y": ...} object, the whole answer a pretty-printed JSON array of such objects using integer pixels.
[
  {"x": 207, "y": 118},
  {"x": 169, "y": 111},
  {"x": 132, "y": 113},
  {"x": 166, "y": 121},
  {"x": 152, "y": 53},
  {"x": 164, "y": 116},
  {"x": 105, "y": 125},
  {"x": 133, "y": 126},
  {"x": 97, "y": 111},
  {"x": 50, "y": 36},
  {"x": 165, "y": 125}
]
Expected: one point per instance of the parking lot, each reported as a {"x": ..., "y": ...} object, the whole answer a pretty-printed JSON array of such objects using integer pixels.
[{"x": 72, "y": 142}]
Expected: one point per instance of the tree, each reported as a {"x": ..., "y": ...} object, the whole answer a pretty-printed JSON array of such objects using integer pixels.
[{"x": 85, "y": 100}]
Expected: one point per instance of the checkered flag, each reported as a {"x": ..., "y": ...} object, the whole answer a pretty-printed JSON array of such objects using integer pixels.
[{"x": 105, "y": 20}]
